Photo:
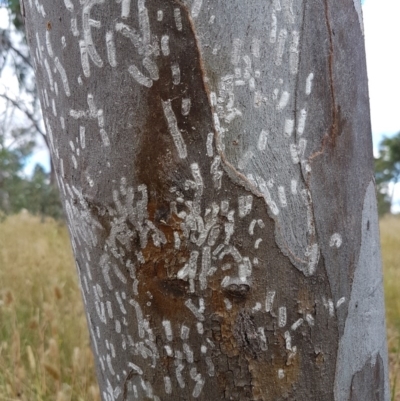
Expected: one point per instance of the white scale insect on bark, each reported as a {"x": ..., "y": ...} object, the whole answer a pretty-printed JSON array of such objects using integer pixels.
[
  {"x": 210, "y": 151},
  {"x": 309, "y": 83},
  {"x": 87, "y": 33},
  {"x": 283, "y": 101},
  {"x": 288, "y": 340},
  {"x": 168, "y": 330},
  {"x": 69, "y": 5},
  {"x": 144, "y": 23},
  {"x": 262, "y": 140},
  {"x": 293, "y": 187},
  {"x": 48, "y": 45},
  {"x": 200, "y": 328},
  {"x": 197, "y": 377},
  {"x": 274, "y": 27},
  {"x": 197, "y": 312},
  {"x": 178, "y": 19},
  {"x": 125, "y": 8},
  {"x": 340, "y": 302},
  {"x": 185, "y": 109},
  {"x": 280, "y": 49},
  {"x": 111, "y": 49},
  {"x": 139, "y": 77},
  {"x": 173, "y": 129},
  {"x": 151, "y": 67},
  {"x": 269, "y": 301},
  {"x": 74, "y": 27},
  {"x": 177, "y": 240},
  {"x": 310, "y": 320},
  {"x": 176, "y": 74},
  {"x": 267, "y": 196},
  {"x": 245, "y": 205},
  {"x": 49, "y": 74},
  {"x": 313, "y": 255},
  {"x": 297, "y": 324},
  {"x": 302, "y": 122},
  {"x": 63, "y": 74},
  {"x": 196, "y": 7},
  {"x": 294, "y": 53},
  {"x": 282, "y": 316},
  {"x": 257, "y": 243},
  {"x": 335, "y": 241},
  {"x": 168, "y": 384},
  {"x": 128, "y": 33},
  {"x": 289, "y": 127},
  {"x": 84, "y": 58},
  {"x": 165, "y": 45},
  {"x": 282, "y": 196}
]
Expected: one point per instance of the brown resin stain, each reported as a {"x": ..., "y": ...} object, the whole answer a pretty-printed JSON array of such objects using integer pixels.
[
  {"x": 158, "y": 274},
  {"x": 306, "y": 301},
  {"x": 259, "y": 367},
  {"x": 266, "y": 384},
  {"x": 255, "y": 367}
]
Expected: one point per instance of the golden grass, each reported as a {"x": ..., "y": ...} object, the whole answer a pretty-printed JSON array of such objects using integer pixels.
[
  {"x": 44, "y": 345},
  {"x": 390, "y": 242}
]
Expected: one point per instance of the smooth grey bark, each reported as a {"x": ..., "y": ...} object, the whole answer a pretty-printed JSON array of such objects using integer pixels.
[{"x": 215, "y": 163}]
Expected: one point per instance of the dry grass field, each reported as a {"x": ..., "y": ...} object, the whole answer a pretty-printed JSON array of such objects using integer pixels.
[
  {"x": 390, "y": 242},
  {"x": 44, "y": 346}
]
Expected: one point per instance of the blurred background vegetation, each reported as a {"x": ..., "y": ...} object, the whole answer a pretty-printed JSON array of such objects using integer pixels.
[
  {"x": 22, "y": 133},
  {"x": 44, "y": 343}
]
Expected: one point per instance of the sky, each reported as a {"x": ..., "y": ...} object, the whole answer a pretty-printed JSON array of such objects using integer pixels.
[{"x": 382, "y": 40}]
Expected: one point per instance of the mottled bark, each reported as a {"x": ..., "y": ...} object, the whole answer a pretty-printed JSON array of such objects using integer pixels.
[{"x": 215, "y": 164}]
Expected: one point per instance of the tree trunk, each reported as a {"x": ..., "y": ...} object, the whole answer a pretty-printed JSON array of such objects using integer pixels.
[{"x": 215, "y": 164}]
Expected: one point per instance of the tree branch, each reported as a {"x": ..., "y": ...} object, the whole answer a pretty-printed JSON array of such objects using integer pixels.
[
  {"x": 27, "y": 113},
  {"x": 8, "y": 45}
]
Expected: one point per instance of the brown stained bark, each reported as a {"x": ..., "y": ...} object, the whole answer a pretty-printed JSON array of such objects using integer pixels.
[{"x": 190, "y": 295}]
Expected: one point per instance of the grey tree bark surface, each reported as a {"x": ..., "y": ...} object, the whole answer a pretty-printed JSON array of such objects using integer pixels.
[{"x": 215, "y": 164}]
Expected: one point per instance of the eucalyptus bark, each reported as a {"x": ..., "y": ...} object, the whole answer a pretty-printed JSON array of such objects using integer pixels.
[{"x": 215, "y": 164}]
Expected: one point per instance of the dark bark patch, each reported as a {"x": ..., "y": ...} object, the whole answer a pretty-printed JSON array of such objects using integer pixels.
[
  {"x": 369, "y": 382},
  {"x": 246, "y": 334}
]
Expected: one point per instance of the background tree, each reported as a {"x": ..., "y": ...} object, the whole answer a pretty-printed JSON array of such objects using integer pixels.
[
  {"x": 17, "y": 192},
  {"x": 215, "y": 165},
  {"x": 22, "y": 127},
  {"x": 387, "y": 170}
]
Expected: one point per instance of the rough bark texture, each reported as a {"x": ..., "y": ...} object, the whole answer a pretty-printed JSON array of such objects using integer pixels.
[{"x": 215, "y": 163}]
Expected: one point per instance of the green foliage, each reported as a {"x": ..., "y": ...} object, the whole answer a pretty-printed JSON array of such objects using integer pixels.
[
  {"x": 15, "y": 10},
  {"x": 387, "y": 170},
  {"x": 384, "y": 203},
  {"x": 35, "y": 194}
]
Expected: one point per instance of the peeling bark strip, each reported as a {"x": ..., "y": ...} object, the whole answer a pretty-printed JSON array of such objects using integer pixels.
[{"x": 215, "y": 164}]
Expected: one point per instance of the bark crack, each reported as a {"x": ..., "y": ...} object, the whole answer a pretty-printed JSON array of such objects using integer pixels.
[
  {"x": 333, "y": 132},
  {"x": 331, "y": 136},
  {"x": 334, "y": 127}
]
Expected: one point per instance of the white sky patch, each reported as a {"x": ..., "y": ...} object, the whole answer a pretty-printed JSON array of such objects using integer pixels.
[{"x": 382, "y": 31}]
